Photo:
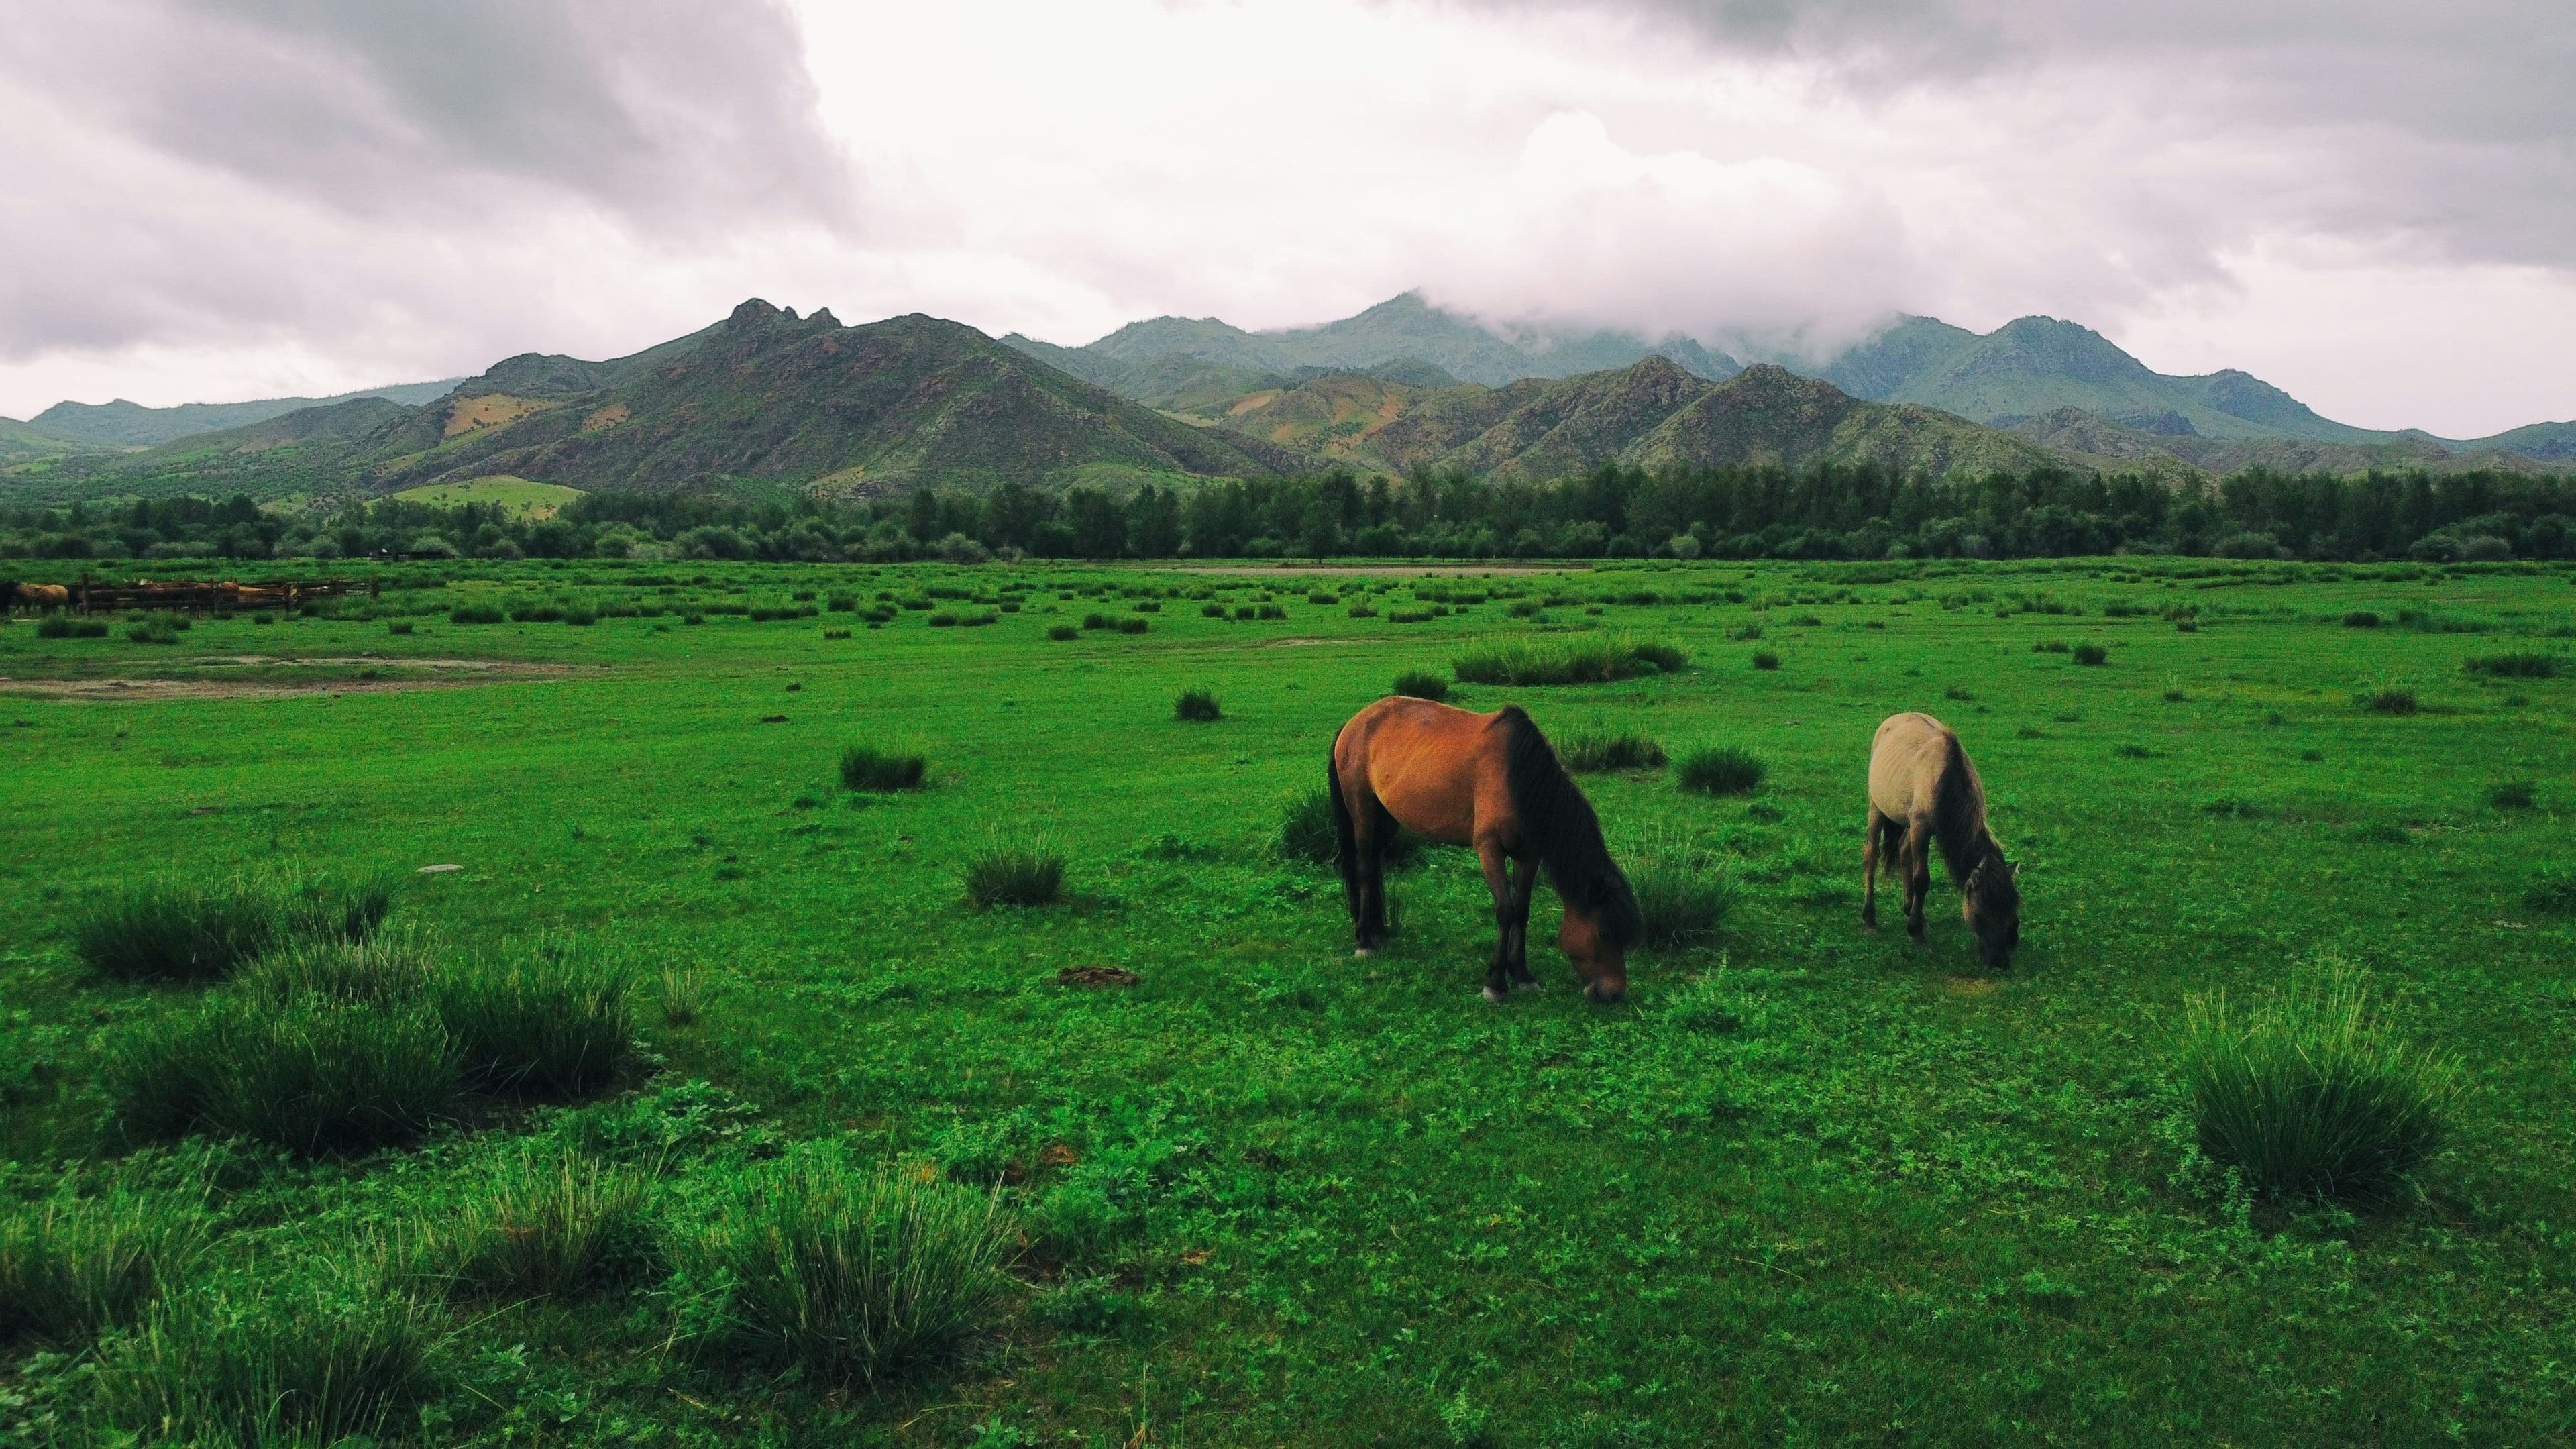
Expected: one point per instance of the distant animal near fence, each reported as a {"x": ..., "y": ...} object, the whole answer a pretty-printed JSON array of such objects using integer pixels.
[{"x": 199, "y": 596}]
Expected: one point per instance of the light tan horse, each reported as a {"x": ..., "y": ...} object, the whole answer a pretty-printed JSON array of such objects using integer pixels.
[
  {"x": 1491, "y": 781},
  {"x": 37, "y": 596},
  {"x": 1923, "y": 793}
]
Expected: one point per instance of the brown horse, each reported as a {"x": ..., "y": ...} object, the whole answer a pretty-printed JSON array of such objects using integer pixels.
[
  {"x": 35, "y": 596},
  {"x": 1924, "y": 793},
  {"x": 1491, "y": 781}
]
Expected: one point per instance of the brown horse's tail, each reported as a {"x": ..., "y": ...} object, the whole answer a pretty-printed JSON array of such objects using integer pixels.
[
  {"x": 1558, "y": 823},
  {"x": 1346, "y": 840}
]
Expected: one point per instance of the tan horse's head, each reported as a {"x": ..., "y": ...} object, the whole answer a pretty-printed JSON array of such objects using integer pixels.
[
  {"x": 1596, "y": 954},
  {"x": 1990, "y": 902}
]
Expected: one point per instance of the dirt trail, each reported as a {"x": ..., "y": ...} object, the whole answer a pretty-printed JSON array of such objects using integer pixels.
[{"x": 448, "y": 674}]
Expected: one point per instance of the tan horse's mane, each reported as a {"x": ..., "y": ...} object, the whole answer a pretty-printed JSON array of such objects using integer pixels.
[{"x": 1959, "y": 815}]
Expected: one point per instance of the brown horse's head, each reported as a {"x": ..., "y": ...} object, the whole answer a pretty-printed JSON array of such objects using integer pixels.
[
  {"x": 1990, "y": 903},
  {"x": 1596, "y": 953}
]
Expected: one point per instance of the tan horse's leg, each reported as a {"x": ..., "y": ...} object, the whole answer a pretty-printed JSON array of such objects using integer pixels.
[
  {"x": 1524, "y": 885},
  {"x": 1915, "y": 862},
  {"x": 1869, "y": 871},
  {"x": 1498, "y": 879}
]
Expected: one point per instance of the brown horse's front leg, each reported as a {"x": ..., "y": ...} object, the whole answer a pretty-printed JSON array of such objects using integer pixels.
[
  {"x": 1914, "y": 860},
  {"x": 1869, "y": 872},
  {"x": 1524, "y": 885},
  {"x": 1498, "y": 879}
]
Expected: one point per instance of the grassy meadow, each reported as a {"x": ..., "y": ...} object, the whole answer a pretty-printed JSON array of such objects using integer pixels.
[{"x": 722, "y": 956}]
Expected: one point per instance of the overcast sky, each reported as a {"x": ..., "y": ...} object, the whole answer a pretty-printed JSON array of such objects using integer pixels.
[{"x": 2369, "y": 202}]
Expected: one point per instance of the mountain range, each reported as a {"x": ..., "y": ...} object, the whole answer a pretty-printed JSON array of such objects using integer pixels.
[{"x": 766, "y": 399}]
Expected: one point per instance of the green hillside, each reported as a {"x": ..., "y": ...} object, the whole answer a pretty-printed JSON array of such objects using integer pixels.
[{"x": 132, "y": 425}]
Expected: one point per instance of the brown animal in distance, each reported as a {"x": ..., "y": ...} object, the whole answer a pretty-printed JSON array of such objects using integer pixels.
[
  {"x": 1923, "y": 793},
  {"x": 1493, "y": 782}
]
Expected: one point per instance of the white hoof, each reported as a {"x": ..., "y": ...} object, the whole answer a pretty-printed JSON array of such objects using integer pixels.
[
  {"x": 1529, "y": 986},
  {"x": 1364, "y": 953},
  {"x": 1496, "y": 997}
]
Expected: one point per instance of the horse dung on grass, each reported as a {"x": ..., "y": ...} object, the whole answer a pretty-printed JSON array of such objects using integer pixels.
[
  {"x": 1490, "y": 781},
  {"x": 1923, "y": 793}
]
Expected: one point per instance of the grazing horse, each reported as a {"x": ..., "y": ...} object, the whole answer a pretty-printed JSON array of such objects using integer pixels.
[
  {"x": 1923, "y": 793},
  {"x": 35, "y": 596},
  {"x": 1493, "y": 782}
]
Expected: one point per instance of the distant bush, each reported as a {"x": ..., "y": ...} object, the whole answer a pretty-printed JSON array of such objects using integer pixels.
[
  {"x": 536, "y": 614},
  {"x": 1562, "y": 659},
  {"x": 475, "y": 614},
  {"x": 1195, "y": 704},
  {"x": 2361, "y": 619},
  {"x": 545, "y": 1226},
  {"x": 64, "y": 626},
  {"x": 2515, "y": 666},
  {"x": 2311, "y": 1093},
  {"x": 1724, "y": 770},
  {"x": 1062, "y": 632},
  {"x": 1591, "y": 753},
  {"x": 1015, "y": 875},
  {"x": 1132, "y": 626},
  {"x": 2091, "y": 654},
  {"x": 865, "y": 767},
  {"x": 2513, "y": 795},
  {"x": 73, "y": 1266},
  {"x": 1362, "y": 610},
  {"x": 2390, "y": 701},
  {"x": 1097, "y": 621},
  {"x": 1421, "y": 684},
  {"x": 399, "y": 626},
  {"x": 854, "y": 1280},
  {"x": 327, "y": 1357},
  {"x": 2049, "y": 646},
  {"x": 1409, "y": 616},
  {"x": 152, "y": 631},
  {"x": 1765, "y": 659}
]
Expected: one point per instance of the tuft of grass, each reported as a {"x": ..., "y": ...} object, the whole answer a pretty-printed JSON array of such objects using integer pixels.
[
  {"x": 476, "y": 614},
  {"x": 1015, "y": 875},
  {"x": 349, "y": 910},
  {"x": 2514, "y": 795},
  {"x": 854, "y": 1279},
  {"x": 389, "y": 969},
  {"x": 1196, "y": 705},
  {"x": 2389, "y": 701},
  {"x": 72, "y": 1267},
  {"x": 312, "y": 1076},
  {"x": 1306, "y": 833},
  {"x": 2091, "y": 654},
  {"x": 2361, "y": 619},
  {"x": 338, "y": 1356},
  {"x": 1062, "y": 632},
  {"x": 1682, "y": 896},
  {"x": 865, "y": 767},
  {"x": 1721, "y": 770},
  {"x": 1765, "y": 659},
  {"x": 176, "y": 931},
  {"x": 1624, "y": 750},
  {"x": 546, "y": 1226},
  {"x": 1582, "y": 659},
  {"x": 2514, "y": 666},
  {"x": 683, "y": 994},
  {"x": 1421, "y": 684},
  {"x": 2311, "y": 1093},
  {"x": 550, "y": 1024},
  {"x": 399, "y": 626},
  {"x": 2553, "y": 891}
]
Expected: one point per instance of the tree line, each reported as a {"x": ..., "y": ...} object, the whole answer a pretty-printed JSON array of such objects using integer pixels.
[{"x": 1825, "y": 512}]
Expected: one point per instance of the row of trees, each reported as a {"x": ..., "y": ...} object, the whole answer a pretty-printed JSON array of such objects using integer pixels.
[{"x": 1610, "y": 512}]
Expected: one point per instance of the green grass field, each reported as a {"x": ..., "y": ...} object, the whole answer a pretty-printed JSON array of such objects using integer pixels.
[
  {"x": 1805, "y": 1186},
  {"x": 515, "y": 495}
]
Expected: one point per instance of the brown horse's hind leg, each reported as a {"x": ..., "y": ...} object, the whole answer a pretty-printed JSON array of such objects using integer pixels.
[
  {"x": 1376, "y": 828},
  {"x": 1914, "y": 861},
  {"x": 1524, "y": 885},
  {"x": 1498, "y": 879}
]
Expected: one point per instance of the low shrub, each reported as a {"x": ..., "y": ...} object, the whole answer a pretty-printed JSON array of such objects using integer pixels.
[
  {"x": 2049, "y": 646},
  {"x": 1661, "y": 655},
  {"x": 1421, "y": 684},
  {"x": 1362, "y": 610},
  {"x": 2514, "y": 666},
  {"x": 72, "y": 1267},
  {"x": 332, "y": 1356},
  {"x": 1211, "y": 611},
  {"x": 1592, "y": 753},
  {"x": 536, "y": 614},
  {"x": 545, "y": 1226},
  {"x": 475, "y": 614},
  {"x": 1721, "y": 770},
  {"x": 312, "y": 1076},
  {"x": 1132, "y": 626},
  {"x": 551, "y": 1024},
  {"x": 1015, "y": 875},
  {"x": 2361, "y": 619},
  {"x": 1196, "y": 704},
  {"x": 1765, "y": 659},
  {"x": 1096, "y": 621},
  {"x": 855, "y": 1279},
  {"x": 1062, "y": 632},
  {"x": 865, "y": 767},
  {"x": 152, "y": 631},
  {"x": 2311, "y": 1093},
  {"x": 2390, "y": 701},
  {"x": 2091, "y": 654},
  {"x": 1579, "y": 659},
  {"x": 399, "y": 626}
]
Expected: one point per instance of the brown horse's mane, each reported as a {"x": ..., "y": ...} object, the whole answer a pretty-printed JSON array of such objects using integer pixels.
[
  {"x": 1959, "y": 818},
  {"x": 1558, "y": 824}
]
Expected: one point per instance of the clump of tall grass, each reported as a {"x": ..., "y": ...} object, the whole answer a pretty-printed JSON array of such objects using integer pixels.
[
  {"x": 856, "y": 1279},
  {"x": 2312, "y": 1093},
  {"x": 2091, "y": 654},
  {"x": 1591, "y": 753},
  {"x": 1682, "y": 895},
  {"x": 1197, "y": 705},
  {"x": 1579, "y": 659},
  {"x": 312, "y": 1076},
  {"x": 2389, "y": 701},
  {"x": 2514, "y": 795},
  {"x": 545, "y": 1226},
  {"x": 329, "y": 1356},
  {"x": 1721, "y": 770},
  {"x": 2514, "y": 666},
  {"x": 187, "y": 931},
  {"x": 549, "y": 1024},
  {"x": 865, "y": 767},
  {"x": 385, "y": 969},
  {"x": 1306, "y": 833},
  {"x": 1765, "y": 659},
  {"x": 1421, "y": 684},
  {"x": 1015, "y": 875},
  {"x": 72, "y": 1267}
]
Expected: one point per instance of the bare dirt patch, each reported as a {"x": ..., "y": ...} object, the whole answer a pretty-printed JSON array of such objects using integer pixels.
[
  {"x": 1096, "y": 976},
  {"x": 267, "y": 676}
]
